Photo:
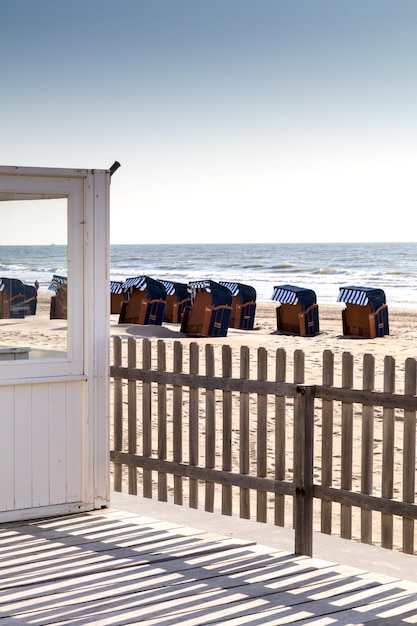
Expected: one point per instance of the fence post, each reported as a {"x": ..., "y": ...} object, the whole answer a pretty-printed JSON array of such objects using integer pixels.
[{"x": 303, "y": 470}]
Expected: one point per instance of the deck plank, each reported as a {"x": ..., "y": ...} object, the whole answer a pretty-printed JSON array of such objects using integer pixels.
[{"x": 114, "y": 568}]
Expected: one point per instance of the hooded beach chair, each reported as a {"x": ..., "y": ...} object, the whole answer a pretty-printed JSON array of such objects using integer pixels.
[
  {"x": 298, "y": 311},
  {"x": 366, "y": 312},
  {"x": 146, "y": 301},
  {"x": 17, "y": 299},
  {"x": 210, "y": 311},
  {"x": 178, "y": 298},
  {"x": 243, "y": 305},
  {"x": 58, "y": 307},
  {"x": 116, "y": 296}
]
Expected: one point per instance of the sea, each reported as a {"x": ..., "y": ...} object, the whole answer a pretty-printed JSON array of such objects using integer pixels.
[{"x": 323, "y": 267}]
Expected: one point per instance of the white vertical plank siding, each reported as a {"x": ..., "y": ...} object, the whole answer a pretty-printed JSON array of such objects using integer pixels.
[
  {"x": 57, "y": 442},
  {"x": 23, "y": 434},
  {"x": 76, "y": 435},
  {"x": 7, "y": 451},
  {"x": 40, "y": 445}
]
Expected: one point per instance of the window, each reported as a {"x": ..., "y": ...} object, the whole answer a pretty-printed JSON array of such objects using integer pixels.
[{"x": 41, "y": 273}]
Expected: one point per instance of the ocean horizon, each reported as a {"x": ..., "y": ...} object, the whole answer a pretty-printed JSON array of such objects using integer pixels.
[{"x": 323, "y": 267}]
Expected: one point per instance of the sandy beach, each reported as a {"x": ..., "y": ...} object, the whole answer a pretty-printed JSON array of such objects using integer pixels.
[{"x": 39, "y": 332}]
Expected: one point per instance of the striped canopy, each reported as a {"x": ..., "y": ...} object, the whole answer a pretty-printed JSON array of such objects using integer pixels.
[
  {"x": 169, "y": 287},
  {"x": 140, "y": 282},
  {"x": 199, "y": 285},
  {"x": 362, "y": 296},
  {"x": 56, "y": 281},
  {"x": 116, "y": 287},
  {"x": 247, "y": 292},
  {"x": 154, "y": 287},
  {"x": 1, "y": 285},
  {"x": 234, "y": 287},
  {"x": 290, "y": 294},
  {"x": 178, "y": 289}
]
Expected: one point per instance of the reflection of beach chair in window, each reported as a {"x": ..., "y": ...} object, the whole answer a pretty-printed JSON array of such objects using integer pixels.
[
  {"x": 210, "y": 311},
  {"x": 116, "y": 296},
  {"x": 243, "y": 305},
  {"x": 146, "y": 302},
  {"x": 178, "y": 298},
  {"x": 17, "y": 299},
  {"x": 58, "y": 308},
  {"x": 366, "y": 312},
  {"x": 298, "y": 311}
]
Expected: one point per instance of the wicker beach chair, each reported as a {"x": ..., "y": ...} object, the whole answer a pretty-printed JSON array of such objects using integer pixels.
[
  {"x": 58, "y": 307},
  {"x": 298, "y": 311},
  {"x": 366, "y": 312},
  {"x": 243, "y": 305},
  {"x": 210, "y": 311},
  {"x": 17, "y": 299},
  {"x": 146, "y": 301},
  {"x": 116, "y": 296},
  {"x": 178, "y": 298}
]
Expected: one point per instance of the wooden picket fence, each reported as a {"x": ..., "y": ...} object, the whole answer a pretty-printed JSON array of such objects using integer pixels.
[{"x": 335, "y": 458}]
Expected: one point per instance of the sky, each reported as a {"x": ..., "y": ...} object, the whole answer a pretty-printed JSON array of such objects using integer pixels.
[{"x": 233, "y": 120}]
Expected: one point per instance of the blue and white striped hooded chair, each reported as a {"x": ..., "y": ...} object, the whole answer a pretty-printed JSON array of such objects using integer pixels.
[
  {"x": 17, "y": 298},
  {"x": 298, "y": 311},
  {"x": 178, "y": 298},
  {"x": 243, "y": 305},
  {"x": 146, "y": 302},
  {"x": 117, "y": 294},
  {"x": 58, "y": 308},
  {"x": 210, "y": 311},
  {"x": 366, "y": 312}
]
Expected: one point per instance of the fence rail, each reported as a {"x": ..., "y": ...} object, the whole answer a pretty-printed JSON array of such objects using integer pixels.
[{"x": 204, "y": 424}]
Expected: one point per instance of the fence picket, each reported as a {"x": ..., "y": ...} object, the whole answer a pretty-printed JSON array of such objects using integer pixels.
[
  {"x": 162, "y": 422},
  {"x": 117, "y": 413},
  {"x": 409, "y": 462},
  {"x": 367, "y": 447},
  {"x": 244, "y": 433},
  {"x": 327, "y": 442},
  {"x": 280, "y": 435},
  {"x": 194, "y": 424},
  {"x": 132, "y": 419},
  {"x": 146, "y": 416},
  {"x": 210, "y": 428},
  {"x": 388, "y": 434},
  {"x": 177, "y": 422},
  {"x": 227, "y": 508},
  {"x": 262, "y": 436},
  {"x": 346, "y": 447}
]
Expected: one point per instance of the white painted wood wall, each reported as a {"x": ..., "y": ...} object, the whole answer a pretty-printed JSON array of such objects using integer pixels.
[{"x": 54, "y": 413}]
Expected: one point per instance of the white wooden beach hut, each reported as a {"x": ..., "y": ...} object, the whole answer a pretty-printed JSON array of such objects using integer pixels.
[{"x": 54, "y": 444}]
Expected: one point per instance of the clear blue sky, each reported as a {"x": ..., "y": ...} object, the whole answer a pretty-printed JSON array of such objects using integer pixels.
[{"x": 234, "y": 120}]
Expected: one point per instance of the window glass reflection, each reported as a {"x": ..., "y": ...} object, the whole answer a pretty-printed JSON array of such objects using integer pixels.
[{"x": 33, "y": 252}]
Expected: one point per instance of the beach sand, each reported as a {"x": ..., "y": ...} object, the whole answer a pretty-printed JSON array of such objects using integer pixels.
[
  {"x": 39, "y": 332},
  {"x": 44, "y": 335}
]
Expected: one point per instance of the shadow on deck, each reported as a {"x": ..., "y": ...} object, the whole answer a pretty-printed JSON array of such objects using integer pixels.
[{"x": 135, "y": 564}]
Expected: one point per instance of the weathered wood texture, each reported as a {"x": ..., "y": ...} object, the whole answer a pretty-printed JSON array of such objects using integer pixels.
[
  {"x": 114, "y": 567},
  {"x": 338, "y": 459}
]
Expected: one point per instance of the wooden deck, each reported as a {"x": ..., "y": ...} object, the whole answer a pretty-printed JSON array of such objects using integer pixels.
[{"x": 115, "y": 567}]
